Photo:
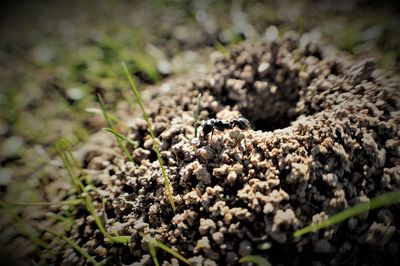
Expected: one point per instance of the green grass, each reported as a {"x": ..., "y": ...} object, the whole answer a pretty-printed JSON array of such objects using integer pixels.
[
  {"x": 150, "y": 129},
  {"x": 155, "y": 243},
  {"x": 257, "y": 260},
  {"x": 67, "y": 157},
  {"x": 23, "y": 228},
  {"x": 147, "y": 64},
  {"x": 110, "y": 126},
  {"x": 66, "y": 202},
  {"x": 113, "y": 118},
  {"x": 222, "y": 49},
  {"x": 74, "y": 245},
  {"x": 66, "y": 222},
  {"x": 74, "y": 170},
  {"x": 378, "y": 202},
  {"x": 121, "y": 137},
  {"x": 153, "y": 253}
]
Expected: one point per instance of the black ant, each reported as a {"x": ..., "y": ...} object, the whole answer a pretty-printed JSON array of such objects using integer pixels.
[{"x": 211, "y": 124}]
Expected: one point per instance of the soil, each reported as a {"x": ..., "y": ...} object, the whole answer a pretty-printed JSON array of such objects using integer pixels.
[{"x": 325, "y": 136}]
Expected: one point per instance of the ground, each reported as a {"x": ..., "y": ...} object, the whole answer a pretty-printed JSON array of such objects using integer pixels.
[{"x": 324, "y": 132}]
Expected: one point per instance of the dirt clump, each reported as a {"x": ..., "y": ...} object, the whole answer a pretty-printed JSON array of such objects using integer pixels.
[{"x": 325, "y": 137}]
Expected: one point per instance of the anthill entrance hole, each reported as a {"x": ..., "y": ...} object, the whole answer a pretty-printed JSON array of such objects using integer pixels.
[
  {"x": 263, "y": 83},
  {"x": 272, "y": 106},
  {"x": 269, "y": 125}
]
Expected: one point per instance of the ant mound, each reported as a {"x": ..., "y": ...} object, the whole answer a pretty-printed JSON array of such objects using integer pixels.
[{"x": 325, "y": 137}]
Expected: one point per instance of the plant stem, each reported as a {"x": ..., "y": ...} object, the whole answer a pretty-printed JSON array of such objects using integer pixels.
[
  {"x": 74, "y": 245},
  {"x": 67, "y": 202},
  {"x": 377, "y": 202},
  {"x": 150, "y": 129},
  {"x": 110, "y": 125}
]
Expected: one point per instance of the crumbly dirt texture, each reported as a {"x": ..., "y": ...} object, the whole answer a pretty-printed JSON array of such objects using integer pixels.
[{"x": 325, "y": 137}]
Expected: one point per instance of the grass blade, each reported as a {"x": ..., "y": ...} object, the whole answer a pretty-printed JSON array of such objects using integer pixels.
[
  {"x": 155, "y": 242},
  {"x": 62, "y": 148},
  {"x": 150, "y": 129},
  {"x": 112, "y": 118},
  {"x": 110, "y": 125},
  {"x": 66, "y": 222},
  {"x": 377, "y": 202},
  {"x": 257, "y": 260},
  {"x": 74, "y": 245},
  {"x": 76, "y": 182},
  {"x": 66, "y": 202},
  {"x": 76, "y": 163},
  {"x": 172, "y": 252},
  {"x": 122, "y": 137},
  {"x": 153, "y": 253},
  {"x": 24, "y": 229},
  {"x": 68, "y": 157},
  {"x": 106, "y": 261}
]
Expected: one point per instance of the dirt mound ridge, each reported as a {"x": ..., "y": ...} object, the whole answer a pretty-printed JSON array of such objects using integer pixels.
[{"x": 325, "y": 136}]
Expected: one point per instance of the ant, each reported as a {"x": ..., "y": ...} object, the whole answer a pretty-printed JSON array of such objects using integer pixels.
[{"x": 211, "y": 124}]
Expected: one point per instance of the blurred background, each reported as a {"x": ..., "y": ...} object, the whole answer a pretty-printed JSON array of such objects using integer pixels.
[{"x": 56, "y": 55}]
